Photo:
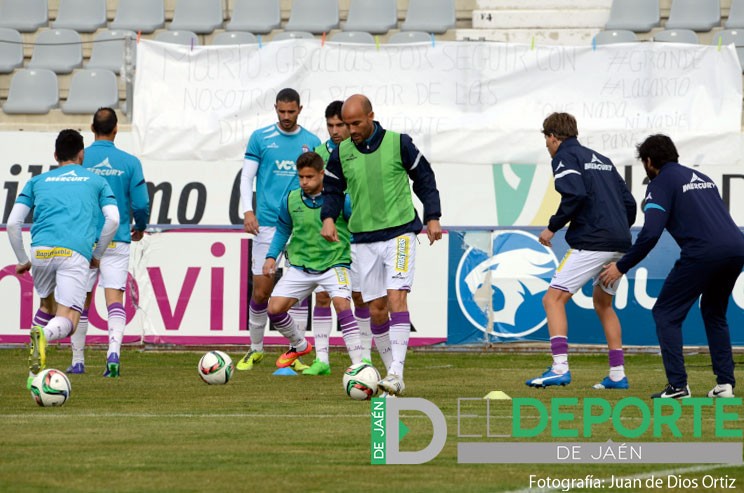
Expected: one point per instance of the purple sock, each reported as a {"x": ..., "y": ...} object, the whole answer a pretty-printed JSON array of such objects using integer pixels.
[
  {"x": 380, "y": 329},
  {"x": 616, "y": 357},
  {"x": 258, "y": 307},
  {"x": 362, "y": 312},
  {"x": 42, "y": 318},
  {"x": 322, "y": 311},
  {"x": 559, "y": 345}
]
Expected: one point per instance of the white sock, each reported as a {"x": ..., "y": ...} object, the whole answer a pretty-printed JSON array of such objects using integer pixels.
[
  {"x": 77, "y": 340},
  {"x": 58, "y": 328},
  {"x": 365, "y": 331},
  {"x": 617, "y": 373},
  {"x": 299, "y": 313},
  {"x": 400, "y": 331},
  {"x": 117, "y": 320},
  {"x": 350, "y": 330},
  {"x": 287, "y": 327},
  {"x": 381, "y": 334},
  {"x": 257, "y": 318},
  {"x": 322, "y": 327}
]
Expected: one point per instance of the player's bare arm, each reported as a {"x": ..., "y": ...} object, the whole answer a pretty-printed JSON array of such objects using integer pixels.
[
  {"x": 329, "y": 230},
  {"x": 250, "y": 223},
  {"x": 433, "y": 230}
]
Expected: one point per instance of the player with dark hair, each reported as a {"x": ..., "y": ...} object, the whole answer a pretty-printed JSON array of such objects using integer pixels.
[
  {"x": 599, "y": 206},
  {"x": 686, "y": 203},
  {"x": 313, "y": 263},
  {"x": 67, "y": 202},
  {"x": 322, "y": 320},
  {"x": 374, "y": 167},
  {"x": 123, "y": 172},
  {"x": 269, "y": 160}
]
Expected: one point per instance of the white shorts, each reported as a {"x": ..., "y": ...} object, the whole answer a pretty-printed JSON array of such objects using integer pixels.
[
  {"x": 298, "y": 284},
  {"x": 385, "y": 265},
  {"x": 354, "y": 271},
  {"x": 261, "y": 244},
  {"x": 114, "y": 268},
  {"x": 578, "y": 266},
  {"x": 62, "y": 271}
]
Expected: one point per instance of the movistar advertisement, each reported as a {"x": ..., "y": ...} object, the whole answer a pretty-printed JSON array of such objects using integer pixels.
[{"x": 498, "y": 278}]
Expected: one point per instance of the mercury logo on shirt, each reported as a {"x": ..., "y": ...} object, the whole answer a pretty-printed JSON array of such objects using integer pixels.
[
  {"x": 598, "y": 165},
  {"x": 104, "y": 168},
  {"x": 69, "y": 176},
  {"x": 697, "y": 183}
]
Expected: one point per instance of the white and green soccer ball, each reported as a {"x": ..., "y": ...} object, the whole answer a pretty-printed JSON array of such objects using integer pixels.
[
  {"x": 50, "y": 388},
  {"x": 360, "y": 381},
  {"x": 216, "y": 368}
]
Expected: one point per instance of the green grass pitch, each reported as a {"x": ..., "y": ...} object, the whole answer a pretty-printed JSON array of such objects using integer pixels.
[{"x": 160, "y": 428}]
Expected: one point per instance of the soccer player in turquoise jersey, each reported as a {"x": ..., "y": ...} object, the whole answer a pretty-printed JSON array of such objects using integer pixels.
[
  {"x": 123, "y": 172},
  {"x": 270, "y": 161},
  {"x": 322, "y": 320},
  {"x": 67, "y": 202},
  {"x": 314, "y": 263},
  {"x": 374, "y": 167}
]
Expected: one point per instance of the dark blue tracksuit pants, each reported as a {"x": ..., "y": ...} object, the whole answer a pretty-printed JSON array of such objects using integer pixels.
[{"x": 689, "y": 279}]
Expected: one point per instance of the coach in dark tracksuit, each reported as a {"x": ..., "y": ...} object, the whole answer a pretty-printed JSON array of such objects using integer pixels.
[{"x": 687, "y": 204}]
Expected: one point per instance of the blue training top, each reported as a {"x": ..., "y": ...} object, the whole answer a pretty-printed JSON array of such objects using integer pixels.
[
  {"x": 276, "y": 152},
  {"x": 123, "y": 172},
  {"x": 687, "y": 204},
  {"x": 67, "y": 203}
]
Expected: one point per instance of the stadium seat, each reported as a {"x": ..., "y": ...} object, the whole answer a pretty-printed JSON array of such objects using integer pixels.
[
  {"x": 255, "y": 16},
  {"x": 431, "y": 16},
  {"x": 24, "y": 15},
  {"x": 372, "y": 16},
  {"x": 315, "y": 16},
  {"x": 409, "y": 37},
  {"x": 178, "y": 37},
  {"x": 292, "y": 35},
  {"x": 11, "y": 50},
  {"x": 736, "y": 15},
  {"x": 615, "y": 36},
  {"x": 353, "y": 37},
  {"x": 698, "y": 15},
  {"x": 234, "y": 38},
  {"x": 677, "y": 36},
  {"x": 32, "y": 91},
  {"x": 634, "y": 15},
  {"x": 83, "y": 16},
  {"x": 139, "y": 16},
  {"x": 90, "y": 90},
  {"x": 60, "y": 50},
  {"x": 108, "y": 50},
  {"x": 734, "y": 36},
  {"x": 197, "y": 16}
]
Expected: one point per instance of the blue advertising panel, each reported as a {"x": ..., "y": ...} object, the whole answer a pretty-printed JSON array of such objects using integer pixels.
[{"x": 498, "y": 278}]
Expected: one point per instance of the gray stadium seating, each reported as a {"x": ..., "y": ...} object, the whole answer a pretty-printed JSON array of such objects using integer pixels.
[
  {"x": 431, "y": 16},
  {"x": 292, "y": 35},
  {"x": 736, "y": 15},
  {"x": 735, "y": 36},
  {"x": 90, "y": 90},
  {"x": 255, "y": 16},
  {"x": 353, "y": 37},
  {"x": 139, "y": 16},
  {"x": 11, "y": 50},
  {"x": 315, "y": 16},
  {"x": 32, "y": 91},
  {"x": 698, "y": 15},
  {"x": 198, "y": 16},
  {"x": 25, "y": 16},
  {"x": 634, "y": 15},
  {"x": 409, "y": 37},
  {"x": 83, "y": 16},
  {"x": 59, "y": 50},
  {"x": 178, "y": 37},
  {"x": 372, "y": 16},
  {"x": 677, "y": 36},
  {"x": 108, "y": 50},
  {"x": 234, "y": 38},
  {"x": 615, "y": 36}
]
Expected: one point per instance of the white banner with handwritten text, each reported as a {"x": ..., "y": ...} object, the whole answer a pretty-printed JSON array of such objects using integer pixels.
[{"x": 463, "y": 102}]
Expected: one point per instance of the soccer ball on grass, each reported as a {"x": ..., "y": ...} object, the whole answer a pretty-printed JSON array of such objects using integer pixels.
[
  {"x": 360, "y": 381},
  {"x": 215, "y": 368}
]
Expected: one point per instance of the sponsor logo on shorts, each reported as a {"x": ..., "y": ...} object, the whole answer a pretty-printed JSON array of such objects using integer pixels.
[
  {"x": 342, "y": 276},
  {"x": 53, "y": 252},
  {"x": 401, "y": 253}
]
